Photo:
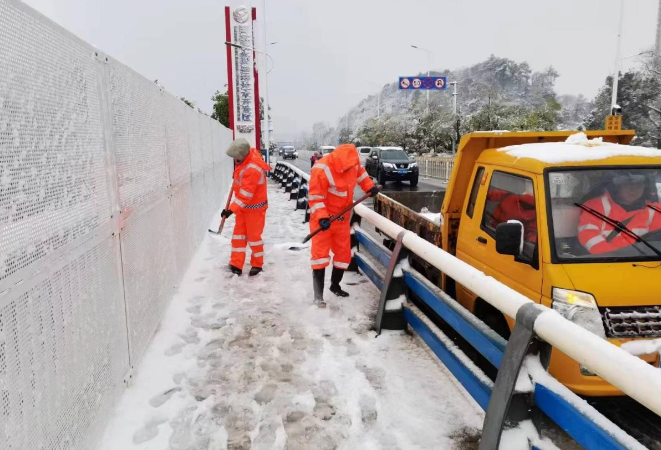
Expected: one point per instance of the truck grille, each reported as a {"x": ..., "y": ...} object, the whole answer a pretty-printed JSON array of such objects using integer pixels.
[
  {"x": 402, "y": 166},
  {"x": 639, "y": 321}
]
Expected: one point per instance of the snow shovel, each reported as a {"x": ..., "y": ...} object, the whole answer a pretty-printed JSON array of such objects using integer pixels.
[
  {"x": 333, "y": 219},
  {"x": 222, "y": 221}
]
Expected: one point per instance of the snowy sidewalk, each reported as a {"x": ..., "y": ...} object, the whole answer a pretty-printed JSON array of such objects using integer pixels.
[{"x": 249, "y": 363}]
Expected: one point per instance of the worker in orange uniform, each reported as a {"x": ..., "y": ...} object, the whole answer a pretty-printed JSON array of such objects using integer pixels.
[
  {"x": 630, "y": 199},
  {"x": 332, "y": 182},
  {"x": 249, "y": 204}
]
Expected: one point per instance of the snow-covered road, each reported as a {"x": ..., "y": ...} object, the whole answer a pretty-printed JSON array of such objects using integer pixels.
[{"x": 250, "y": 363}]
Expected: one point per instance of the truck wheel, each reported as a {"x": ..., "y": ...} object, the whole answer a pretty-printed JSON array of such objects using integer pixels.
[
  {"x": 492, "y": 317},
  {"x": 382, "y": 178},
  {"x": 414, "y": 182}
]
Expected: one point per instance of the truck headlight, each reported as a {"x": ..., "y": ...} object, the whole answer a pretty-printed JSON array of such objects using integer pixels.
[
  {"x": 388, "y": 166},
  {"x": 412, "y": 165},
  {"x": 580, "y": 308}
]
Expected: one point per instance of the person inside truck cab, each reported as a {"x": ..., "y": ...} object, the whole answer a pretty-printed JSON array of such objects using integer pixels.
[
  {"x": 513, "y": 206},
  {"x": 630, "y": 199}
]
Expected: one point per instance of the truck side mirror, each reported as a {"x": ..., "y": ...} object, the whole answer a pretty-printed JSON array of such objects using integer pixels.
[{"x": 509, "y": 238}]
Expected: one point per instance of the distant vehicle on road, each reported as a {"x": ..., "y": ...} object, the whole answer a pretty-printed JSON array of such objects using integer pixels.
[
  {"x": 363, "y": 153},
  {"x": 326, "y": 149},
  {"x": 391, "y": 164},
  {"x": 289, "y": 152}
]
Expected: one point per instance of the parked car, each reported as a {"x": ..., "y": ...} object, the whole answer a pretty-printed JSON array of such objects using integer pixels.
[
  {"x": 289, "y": 152},
  {"x": 326, "y": 149},
  {"x": 391, "y": 164},
  {"x": 363, "y": 153}
]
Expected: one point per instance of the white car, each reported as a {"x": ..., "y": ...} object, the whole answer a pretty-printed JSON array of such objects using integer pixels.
[
  {"x": 363, "y": 153},
  {"x": 326, "y": 149}
]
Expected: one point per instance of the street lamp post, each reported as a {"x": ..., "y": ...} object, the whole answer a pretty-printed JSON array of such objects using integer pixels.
[
  {"x": 378, "y": 100},
  {"x": 618, "y": 60},
  {"x": 429, "y": 58},
  {"x": 454, "y": 112}
]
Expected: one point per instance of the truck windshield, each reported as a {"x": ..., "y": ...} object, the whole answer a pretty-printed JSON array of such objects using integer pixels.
[
  {"x": 394, "y": 154},
  {"x": 621, "y": 198}
]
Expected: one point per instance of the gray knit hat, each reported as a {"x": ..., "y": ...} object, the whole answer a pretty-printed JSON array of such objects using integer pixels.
[{"x": 238, "y": 149}]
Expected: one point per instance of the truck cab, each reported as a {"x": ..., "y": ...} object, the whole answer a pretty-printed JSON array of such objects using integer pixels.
[{"x": 539, "y": 212}]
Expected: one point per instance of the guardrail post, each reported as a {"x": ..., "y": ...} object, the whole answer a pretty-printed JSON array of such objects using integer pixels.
[
  {"x": 296, "y": 182},
  {"x": 393, "y": 287},
  {"x": 302, "y": 199},
  {"x": 353, "y": 265},
  {"x": 505, "y": 408}
]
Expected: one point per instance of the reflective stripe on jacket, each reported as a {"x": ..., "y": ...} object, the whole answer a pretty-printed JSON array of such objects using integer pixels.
[
  {"x": 333, "y": 179},
  {"x": 250, "y": 183},
  {"x": 593, "y": 233}
]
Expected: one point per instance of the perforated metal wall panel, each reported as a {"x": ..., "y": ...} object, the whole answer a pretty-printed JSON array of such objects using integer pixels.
[
  {"x": 207, "y": 146},
  {"x": 52, "y": 176},
  {"x": 177, "y": 140},
  {"x": 195, "y": 139},
  {"x": 148, "y": 258},
  {"x": 196, "y": 208},
  {"x": 81, "y": 135},
  {"x": 62, "y": 353},
  {"x": 182, "y": 227},
  {"x": 138, "y": 110}
]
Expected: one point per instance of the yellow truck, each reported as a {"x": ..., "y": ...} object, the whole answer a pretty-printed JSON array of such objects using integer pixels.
[{"x": 570, "y": 220}]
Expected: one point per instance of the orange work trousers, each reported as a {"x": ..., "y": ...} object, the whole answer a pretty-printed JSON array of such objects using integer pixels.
[
  {"x": 248, "y": 233},
  {"x": 336, "y": 239}
]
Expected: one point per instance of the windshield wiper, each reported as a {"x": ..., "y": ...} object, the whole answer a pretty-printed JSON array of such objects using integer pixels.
[
  {"x": 654, "y": 208},
  {"x": 620, "y": 227}
]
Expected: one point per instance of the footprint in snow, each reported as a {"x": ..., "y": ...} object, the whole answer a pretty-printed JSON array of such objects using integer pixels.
[
  {"x": 375, "y": 375},
  {"x": 160, "y": 399},
  {"x": 368, "y": 412},
  {"x": 175, "y": 349}
]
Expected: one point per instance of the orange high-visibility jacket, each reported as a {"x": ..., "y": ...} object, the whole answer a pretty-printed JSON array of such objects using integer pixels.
[
  {"x": 250, "y": 184},
  {"x": 333, "y": 179},
  {"x": 593, "y": 232}
]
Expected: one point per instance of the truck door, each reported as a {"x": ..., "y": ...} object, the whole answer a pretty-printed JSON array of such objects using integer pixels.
[{"x": 501, "y": 195}]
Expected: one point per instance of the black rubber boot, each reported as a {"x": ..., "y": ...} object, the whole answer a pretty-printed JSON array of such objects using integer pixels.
[
  {"x": 336, "y": 278},
  {"x": 234, "y": 270},
  {"x": 254, "y": 271},
  {"x": 318, "y": 286}
]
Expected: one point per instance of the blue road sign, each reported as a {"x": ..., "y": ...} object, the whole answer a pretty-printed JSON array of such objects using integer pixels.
[{"x": 423, "y": 83}]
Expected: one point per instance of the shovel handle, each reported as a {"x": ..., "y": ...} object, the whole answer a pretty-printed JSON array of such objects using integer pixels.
[
  {"x": 337, "y": 216},
  {"x": 227, "y": 206}
]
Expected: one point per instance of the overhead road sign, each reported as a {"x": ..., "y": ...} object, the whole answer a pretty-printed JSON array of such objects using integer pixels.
[{"x": 423, "y": 83}]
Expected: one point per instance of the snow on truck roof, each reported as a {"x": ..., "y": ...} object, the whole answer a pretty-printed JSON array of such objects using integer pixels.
[{"x": 577, "y": 148}]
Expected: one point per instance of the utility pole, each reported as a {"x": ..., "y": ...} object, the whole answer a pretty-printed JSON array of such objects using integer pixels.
[
  {"x": 616, "y": 74},
  {"x": 456, "y": 119},
  {"x": 658, "y": 34},
  {"x": 267, "y": 131},
  {"x": 429, "y": 56}
]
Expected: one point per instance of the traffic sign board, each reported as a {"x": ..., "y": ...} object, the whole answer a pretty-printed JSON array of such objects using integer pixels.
[{"x": 423, "y": 83}]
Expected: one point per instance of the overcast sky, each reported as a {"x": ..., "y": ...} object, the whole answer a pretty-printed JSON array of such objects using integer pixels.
[{"x": 329, "y": 51}]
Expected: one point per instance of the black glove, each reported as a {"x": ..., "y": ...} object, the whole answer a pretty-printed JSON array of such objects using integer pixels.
[
  {"x": 374, "y": 191},
  {"x": 226, "y": 213},
  {"x": 324, "y": 223}
]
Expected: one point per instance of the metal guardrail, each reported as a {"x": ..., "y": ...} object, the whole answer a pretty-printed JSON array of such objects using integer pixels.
[
  {"x": 537, "y": 329},
  {"x": 440, "y": 167}
]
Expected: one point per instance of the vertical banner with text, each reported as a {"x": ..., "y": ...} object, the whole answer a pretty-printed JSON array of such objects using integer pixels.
[{"x": 241, "y": 73}]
